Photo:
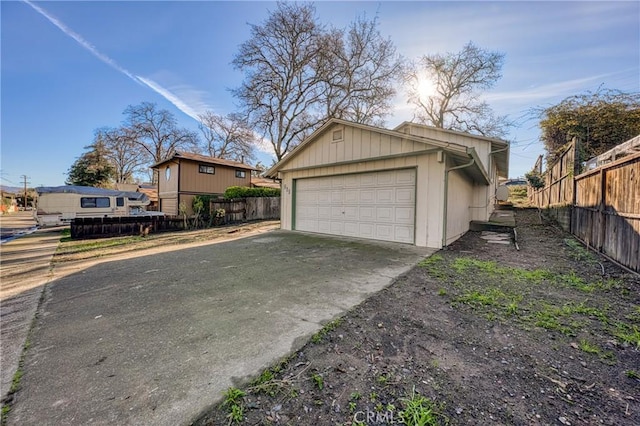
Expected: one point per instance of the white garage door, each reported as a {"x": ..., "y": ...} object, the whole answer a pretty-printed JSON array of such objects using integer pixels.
[{"x": 377, "y": 205}]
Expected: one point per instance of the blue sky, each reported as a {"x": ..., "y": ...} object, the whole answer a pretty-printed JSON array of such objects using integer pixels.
[{"x": 69, "y": 68}]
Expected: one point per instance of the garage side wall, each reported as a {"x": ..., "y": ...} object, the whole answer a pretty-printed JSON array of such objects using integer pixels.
[{"x": 460, "y": 200}]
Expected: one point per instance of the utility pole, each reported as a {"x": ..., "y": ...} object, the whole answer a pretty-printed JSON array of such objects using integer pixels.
[{"x": 24, "y": 179}]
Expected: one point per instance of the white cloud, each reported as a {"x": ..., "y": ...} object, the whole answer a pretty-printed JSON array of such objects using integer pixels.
[
  {"x": 546, "y": 91},
  {"x": 180, "y": 96},
  {"x": 171, "y": 97}
]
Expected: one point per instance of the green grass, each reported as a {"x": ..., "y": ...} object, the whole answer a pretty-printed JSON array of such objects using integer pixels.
[
  {"x": 91, "y": 245},
  {"x": 537, "y": 297},
  {"x": 320, "y": 335},
  {"x": 632, "y": 374},
  {"x": 626, "y": 333},
  {"x": 578, "y": 251},
  {"x": 588, "y": 347},
  {"x": 233, "y": 403},
  {"x": 420, "y": 411},
  {"x": 318, "y": 380}
]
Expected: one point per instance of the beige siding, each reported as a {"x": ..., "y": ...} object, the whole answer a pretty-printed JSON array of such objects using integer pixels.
[
  {"x": 364, "y": 150},
  {"x": 191, "y": 180},
  {"x": 429, "y": 189},
  {"x": 460, "y": 199},
  {"x": 482, "y": 147},
  {"x": 357, "y": 144}
]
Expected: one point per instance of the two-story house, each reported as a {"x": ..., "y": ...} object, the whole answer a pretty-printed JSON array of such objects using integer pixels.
[{"x": 183, "y": 175}]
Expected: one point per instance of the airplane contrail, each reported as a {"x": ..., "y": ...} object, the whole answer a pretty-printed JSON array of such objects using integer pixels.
[{"x": 165, "y": 93}]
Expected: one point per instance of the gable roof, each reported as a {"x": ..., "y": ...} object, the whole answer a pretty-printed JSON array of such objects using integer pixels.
[
  {"x": 460, "y": 154},
  {"x": 499, "y": 148},
  {"x": 203, "y": 159}
]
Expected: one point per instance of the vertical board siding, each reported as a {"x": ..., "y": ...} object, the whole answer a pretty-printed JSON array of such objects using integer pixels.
[{"x": 191, "y": 180}]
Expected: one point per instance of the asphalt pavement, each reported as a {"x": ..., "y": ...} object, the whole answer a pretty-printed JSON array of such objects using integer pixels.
[
  {"x": 157, "y": 339},
  {"x": 25, "y": 258}
]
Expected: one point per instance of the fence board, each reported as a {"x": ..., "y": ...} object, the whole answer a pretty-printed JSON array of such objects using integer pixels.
[
  {"x": 252, "y": 208},
  {"x": 604, "y": 203}
]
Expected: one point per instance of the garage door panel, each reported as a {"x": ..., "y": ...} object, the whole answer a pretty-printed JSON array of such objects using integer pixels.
[
  {"x": 368, "y": 180},
  {"x": 324, "y": 212},
  {"x": 375, "y": 205},
  {"x": 386, "y": 179},
  {"x": 367, "y": 214},
  {"x": 385, "y": 196},
  {"x": 337, "y": 228},
  {"x": 366, "y": 230},
  {"x": 337, "y": 213},
  {"x": 404, "y": 215},
  {"x": 384, "y": 214},
  {"x": 308, "y": 225},
  {"x": 384, "y": 232},
  {"x": 403, "y": 234},
  {"x": 405, "y": 196},
  {"x": 351, "y": 229},
  {"x": 350, "y": 213},
  {"x": 324, "y": 226},
  {"x": 405, "y": 177},
  {"x": 352, "y": 181},
  {"x": 367, "y": 196},
  {"x": 324, "y": 197},
  {"x": 352, "y": 196}
]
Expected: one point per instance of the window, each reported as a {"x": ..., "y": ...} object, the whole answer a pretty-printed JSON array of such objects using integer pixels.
[
  {"x": 210, "y": 170},
  {"x": 120, "y": 202},
  {"x": 94, "y": 202},
  {"x": 167, "y": 173},
  {"x": 336, "y": 136},
  {"x": 241, "y": 174}
]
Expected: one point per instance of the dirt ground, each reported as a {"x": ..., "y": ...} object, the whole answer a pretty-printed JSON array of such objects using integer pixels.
[{"x": 477, "y": 334}]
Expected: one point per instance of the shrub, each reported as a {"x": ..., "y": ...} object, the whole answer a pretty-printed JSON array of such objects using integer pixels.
[
  {"x": 246, "y": 192},
  {"x": 535, "y": 179}
]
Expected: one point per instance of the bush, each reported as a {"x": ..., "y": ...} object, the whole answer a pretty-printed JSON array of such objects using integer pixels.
[
  {"x": 244, "y": 192},
  {"x": 535, "y": 179}
]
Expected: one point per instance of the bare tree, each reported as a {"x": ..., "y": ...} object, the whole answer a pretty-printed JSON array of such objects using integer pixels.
[
  {"x": 299, "y": 74},
  {"x": 127, "y": 159},
  {"x": 156, "y": 132},
  {"x": 457, "y": 81},
  {"x": 227, "y": 136},
  {"x": 359, "y": 68},
  {"x": 281, "y": 86}
]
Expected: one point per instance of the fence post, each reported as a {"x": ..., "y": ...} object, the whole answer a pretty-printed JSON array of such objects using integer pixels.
[{"x": 601, "y": 209}]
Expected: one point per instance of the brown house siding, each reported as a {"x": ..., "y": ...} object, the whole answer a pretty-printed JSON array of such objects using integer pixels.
[
  {"x": 186, "y": 181},
  {"x": 191, "y": 180}
]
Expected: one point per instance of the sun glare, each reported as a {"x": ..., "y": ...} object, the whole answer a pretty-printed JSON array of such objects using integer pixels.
[{"x": 426, "y": 88}]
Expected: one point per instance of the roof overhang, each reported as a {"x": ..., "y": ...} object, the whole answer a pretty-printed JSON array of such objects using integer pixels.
[{"x": 458, "y": 153}]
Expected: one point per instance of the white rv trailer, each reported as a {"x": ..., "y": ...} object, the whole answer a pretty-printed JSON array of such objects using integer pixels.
[{"x": 58, "y": 205}]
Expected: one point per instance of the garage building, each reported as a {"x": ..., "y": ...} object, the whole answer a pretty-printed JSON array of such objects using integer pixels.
[{"x": 414, "y": 184}]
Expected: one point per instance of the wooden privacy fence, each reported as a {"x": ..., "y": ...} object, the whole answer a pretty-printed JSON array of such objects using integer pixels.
[
  {"x": 601, "y": 207},
  {"x": 102, "y": 227},
  {"x": 559, "y": 188},
  {"x": 235, "y": 211},
  {"x": 606, "y": 214},
  {"x": 252, "y": 208}
]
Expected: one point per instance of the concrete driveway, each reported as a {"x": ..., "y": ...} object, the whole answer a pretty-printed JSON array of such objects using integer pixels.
[{"x": 157, "y": 339}]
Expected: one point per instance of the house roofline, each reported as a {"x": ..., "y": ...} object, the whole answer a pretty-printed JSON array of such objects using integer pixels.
[
  {"x": 456, "y": 150},
  {"x": 203, "y": 159}
]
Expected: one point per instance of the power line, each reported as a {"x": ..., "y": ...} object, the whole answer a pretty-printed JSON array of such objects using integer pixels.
[{"x": 24, "y": 178}]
